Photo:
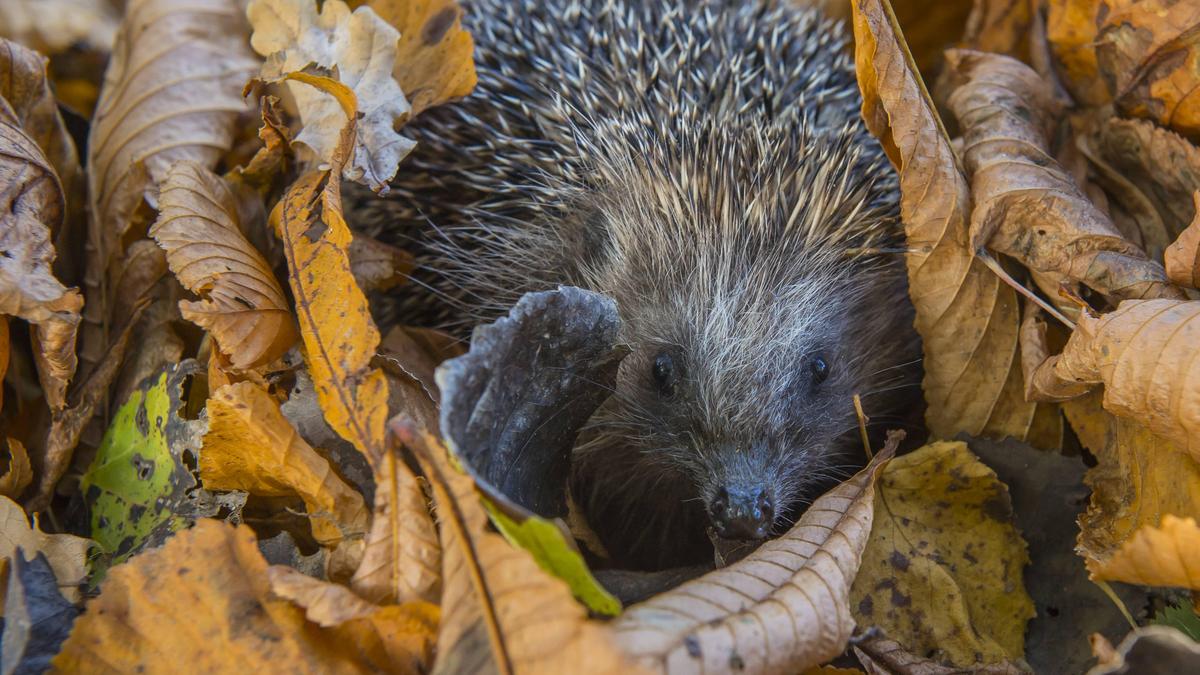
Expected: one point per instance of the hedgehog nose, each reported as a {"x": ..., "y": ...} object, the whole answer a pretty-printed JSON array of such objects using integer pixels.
[{"x": 742, "y": 514}]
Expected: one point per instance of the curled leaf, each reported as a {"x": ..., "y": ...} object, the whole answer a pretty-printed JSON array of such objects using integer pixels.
[
  {"x": 1168, "y": 555},
  {"x": 19, "y": 473},
  {"x": 968, "y": 319},
  {"x": 1144, "y": 353},
  {"x": 1026, "y": 206},
  {"x": 250, "y": 446},
  {"x": 783, "y": 608},
  {"x": 172, "y": 92},
  {"x": 501, "y": 611},
  {"x": 362, "y": 48},
  {"x": 1182, "y": 257},
  {"x": 244, "y": 307}
]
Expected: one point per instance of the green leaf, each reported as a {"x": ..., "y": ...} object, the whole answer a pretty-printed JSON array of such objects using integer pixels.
[
  {"x": 138, "y": 483},
  {"x": 1181, "y": 617},
  {"x": 554, "y": 554}
]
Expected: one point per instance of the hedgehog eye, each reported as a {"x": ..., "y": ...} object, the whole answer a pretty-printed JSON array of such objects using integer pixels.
[
  {"x": 819, "y": 368},
  {"x": 664, "y": 374}
]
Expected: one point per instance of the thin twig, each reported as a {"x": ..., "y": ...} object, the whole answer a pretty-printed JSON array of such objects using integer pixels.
[
  {"x": 862, "y": 426},
  {"x": 994, "y": 266}
]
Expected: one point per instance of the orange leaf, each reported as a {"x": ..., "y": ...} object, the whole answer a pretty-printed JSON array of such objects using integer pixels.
[
  {"x": 434, "y": 61},
  {"x": 1156, "y": 556},
  {"x": 1182, "y": 257}
]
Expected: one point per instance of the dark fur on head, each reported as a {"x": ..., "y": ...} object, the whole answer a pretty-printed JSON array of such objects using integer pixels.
[{"x": 703, "y": 162}]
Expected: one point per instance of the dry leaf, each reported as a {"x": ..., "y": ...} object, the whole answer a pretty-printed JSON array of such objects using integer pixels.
[
  {"x": 882, "y": 656},
  {"x": 1145, "y": 354},
  {"x": 968, "y": 319},
  {"x": 1149, "y": 650},
  {"x": 1026, "y": 206},
  {"x": 361, "y": 49},
  {"x": 52, "y": 26},
  {"x": 783, "y": 608},
  {"x": 394, "y": 638},
  {"x": 201, "y": 603},
  {"x": 1150, "y": 51},
  {"x": 434, "y": 61},
  {"x": 402, "y": 558},
  {"x": 33, "y": 206},
  {"x": 244, "y": 307},
  {"x": 1000, "y": 27},
  {"x": 19, "y": 474},
  {"x": 942, "y": 571},
  {"x": 1161, "y": 163},
  {"x": 1138, "y": 480},
  {"x": 1071, "y": 28},
  {"x": 250, "y": 446},
  {"x": 378, "y": 266},
  {"x": 1168, "y": 555},
  {"x": 172, "y": 92},
  {"x": 501, "y": 612},
  {"x": 66, "y": 553},
  {"x": 335, "y": 322},
  {"x": 1182, "y": 257}
]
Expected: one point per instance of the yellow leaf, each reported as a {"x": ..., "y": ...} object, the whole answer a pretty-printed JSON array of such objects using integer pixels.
[
  {"x": 434, "y": 61},
  {"x": 19, "y": 474},
  {"x": 967, "y": 318},
  {"x": 335, "y": 322},
  {"x": 501, "y": 612},
  {"x": 243, "y": 306},
  {"x": 251, "y": 446},
  {"x": 942, "y": 570},
  {"x": 172, "y": 92},
  {"x": 1138, "y": 479},
  {"x": 1071, "y": 27},
  {"x": 1025, "y": 205},
  {"x": 783, "y": 608},
  {"x": 67, "y": 554},
  {"x": 201, "y": 603},
  {"x": 1156, "y": 556},
  {"x": 1150, "y": 51},
  {"x": 392, "y": 638},
  {"x": 1145, "y": 354},
  {"x": 1182, "y": 257}
]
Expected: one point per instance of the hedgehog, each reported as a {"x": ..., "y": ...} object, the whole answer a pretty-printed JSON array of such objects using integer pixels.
[{"x": 703, "y": 163}]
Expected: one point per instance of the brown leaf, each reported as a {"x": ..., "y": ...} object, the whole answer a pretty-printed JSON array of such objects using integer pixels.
[
  {"x": 783, "y": 608},
  {"x": 402, "y": 558},
  {"x": 33, "y": 206},
  {"x": 1145, "y": 354},
  {"x": 67, "y": 425},
  {"x": 201, "y": 603},
  {"x": 968, "y": 319},
  {"x": 1150, "y": 50},
  {"x": 250, "y": 446},
  {"x": 19, "y": 474},
  {"x": 501, "y": 611},
  {"x": 378, "y": 266},
  {"x": 1168, "y": 555},
  {"x": 882, "y": 656},
  {"x": 1182, "y": 257},
  {"x": 1164, "y": 166},
  {"x": 434, "y": 61},
  {"x": 1000, "y": 27},
  {"x": 53, "y": 26},
  {"x": 171, "y": 93},
  {"x": 1026, "y": 206},
  {"x": 1138, "y": 479},
  {"x": 335, "y": 322},
  {"x": 67, "y": 554},
  {"x": 394, "y": 638},
  {"x": 243, "y": 307}
]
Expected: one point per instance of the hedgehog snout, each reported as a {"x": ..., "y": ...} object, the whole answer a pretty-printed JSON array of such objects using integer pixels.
[{"x": 742, "y": 512}]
